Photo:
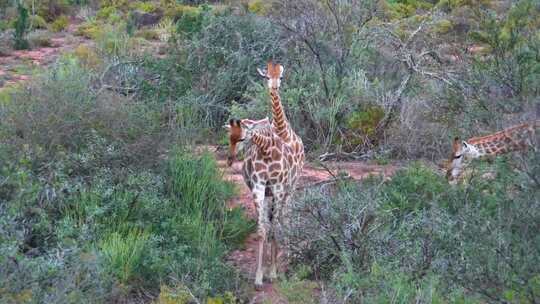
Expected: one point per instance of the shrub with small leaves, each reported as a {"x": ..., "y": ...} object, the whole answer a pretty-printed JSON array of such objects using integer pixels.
[{"x": 59, "y": 24}]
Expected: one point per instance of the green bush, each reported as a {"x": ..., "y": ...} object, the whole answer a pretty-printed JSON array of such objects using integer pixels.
[
  {"x": 109, "y": 14},
  {"x": 51, "y": 9},
  {"x": 148, "y": 228},
  {"x": 89, "y": 29},
  {"x": 259, "y": 7},
  {"x": 222, "y": 61},
  {"x": 76, "y": 125},
  {"x": 124, "y": 254},
  {"x": 413, "y": 189},
  {"x": 37, "y": 22},
  {"x": 397, "y": 239},
  {"x": 148, "y": 34},
  {"x": 190, "y": 19},
  {"x": 39, "y": 39},
  {"x": 60, "y": 24},
  {"x": 21, "y": 28},
  {"x": 147, "y": 7}
]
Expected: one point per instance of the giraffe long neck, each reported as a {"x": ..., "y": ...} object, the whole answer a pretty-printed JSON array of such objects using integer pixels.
[
  {"x": 511, "y": 139},
  {"x": 280, "y": 122},
  {"x": 262, "y": 141}
]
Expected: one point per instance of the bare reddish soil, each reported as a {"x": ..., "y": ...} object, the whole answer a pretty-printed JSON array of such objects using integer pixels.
[
  {"x": 17, "y": 66},
  {"x": 245, "y": 259}
]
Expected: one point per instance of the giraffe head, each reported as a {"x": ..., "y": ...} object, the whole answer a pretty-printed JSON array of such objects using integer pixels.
[
  {"x": 241, "y": 130},
  {"x": 460, "y": 151},
  {"x": 273, "y": 73}
]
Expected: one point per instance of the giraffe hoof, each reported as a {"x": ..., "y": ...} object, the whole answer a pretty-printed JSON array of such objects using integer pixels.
[{"x": 258, "y": 287}]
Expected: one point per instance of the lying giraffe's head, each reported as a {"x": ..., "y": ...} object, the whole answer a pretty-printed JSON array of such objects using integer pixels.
[
  {"x": 460, "y": 151},
  {"x": 241, "y": 130},
  {"x": 273, "y": 73}
]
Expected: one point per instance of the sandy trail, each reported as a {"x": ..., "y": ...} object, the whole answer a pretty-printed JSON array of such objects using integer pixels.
[{"x": 245, "y": 259}]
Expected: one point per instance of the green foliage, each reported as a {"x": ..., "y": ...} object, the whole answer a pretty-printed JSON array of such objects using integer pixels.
[
  {"x": 89, "y": 29},
  {"x": 39, "y": 39},
  {"x": 87, "y": 57},
  {"x": 412, "y": 190},
  {"x": 190, "y": 19},
  {"x": 147, "y": 7},
  {"x": 148, "y": 34},
  {"x": 363, "y": 124},
  {"x": 444, "y": 26},
  {"x": 297, "y": 290},
  {"x": 109, "y": 14},
  {"x": 114, "y": 3},
  {"x": 124, "y": 254},
  {"x": 37, "y": 22},
  {"x": 506, "y": 54},
  {"x": 60, "y": 24},
  {"x": 396, "y": 240},
  {"x": 207, "y": 70},
  {"x": 21, "y": 28},
  {"x": 259, "y": 7},
  {"x": 51, "y": 9},
  {"x": 399, "y": 9}
]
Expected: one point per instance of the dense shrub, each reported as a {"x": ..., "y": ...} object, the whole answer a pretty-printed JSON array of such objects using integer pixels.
[
  {"x": 210, "y": 68},
  {"x": 142, "y": 233},
  {"x": 51, "y": 9},
  {"x": 39, "y": 39},
  {"x": 21, "y": 28},
  {"x": 384, "y": 240},
  {"x": 60, "y": 23},
  {"x": 37, "y": 22},
  {"x": 75, "y": 120}
]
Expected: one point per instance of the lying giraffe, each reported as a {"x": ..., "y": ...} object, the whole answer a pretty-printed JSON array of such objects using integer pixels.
[
  {"x": 268, "y": 173},
  {"x": 512, "y": 139}
]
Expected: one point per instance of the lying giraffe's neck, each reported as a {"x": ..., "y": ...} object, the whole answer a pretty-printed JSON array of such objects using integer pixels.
[
  {"x": 511, "y": 139},
  {"x": 279, "y": 121}
]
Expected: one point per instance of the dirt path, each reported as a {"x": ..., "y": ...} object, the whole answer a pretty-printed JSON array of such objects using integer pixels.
[
  {"x": 18, "y": 66},
  {"x": 245, "y": 259}
]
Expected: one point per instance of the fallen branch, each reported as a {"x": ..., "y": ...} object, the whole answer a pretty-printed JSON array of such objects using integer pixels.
[
  {"x": 326, "y": 182},
  {"x": 344, "y": 156}
]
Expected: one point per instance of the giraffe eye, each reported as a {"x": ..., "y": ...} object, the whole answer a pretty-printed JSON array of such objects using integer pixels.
[{"x": 458, "y": 156}]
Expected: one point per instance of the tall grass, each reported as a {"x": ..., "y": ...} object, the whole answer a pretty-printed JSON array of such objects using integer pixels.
[
  {"x": 197, "y": 187},
  {"x": 124, "y": 253}
]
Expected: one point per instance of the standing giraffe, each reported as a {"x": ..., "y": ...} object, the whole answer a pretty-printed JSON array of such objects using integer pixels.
[
  {"x": 274, "y": 73},
  {"x": 267, "y": 171},
  {"x": 512, "y": 139}
]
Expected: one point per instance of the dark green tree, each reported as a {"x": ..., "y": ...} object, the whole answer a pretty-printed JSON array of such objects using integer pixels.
[{"x": 21, "y": 27}]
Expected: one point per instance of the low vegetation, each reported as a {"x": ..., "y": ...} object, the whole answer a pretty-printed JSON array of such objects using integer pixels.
[
  {"x": 413, "y": 238},
  {"x": 104, "y": 199}
]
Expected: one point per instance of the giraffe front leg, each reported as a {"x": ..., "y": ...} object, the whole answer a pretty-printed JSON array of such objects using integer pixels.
[{"x": 258, "y": 195}]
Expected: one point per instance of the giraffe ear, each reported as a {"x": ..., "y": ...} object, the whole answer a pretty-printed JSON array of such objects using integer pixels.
[
  {"x": 262, "y": 72},
  {"x": 456, "y": 144},
  {"x": 281, "y": 71}
]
